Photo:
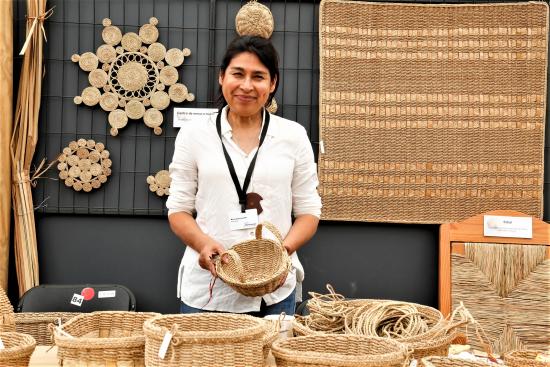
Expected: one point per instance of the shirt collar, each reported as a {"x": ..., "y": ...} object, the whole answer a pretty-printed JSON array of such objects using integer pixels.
[{"x": 272, "y": 130}]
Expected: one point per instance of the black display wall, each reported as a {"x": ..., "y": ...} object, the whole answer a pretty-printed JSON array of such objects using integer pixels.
[{"x": 119, "y": 234}]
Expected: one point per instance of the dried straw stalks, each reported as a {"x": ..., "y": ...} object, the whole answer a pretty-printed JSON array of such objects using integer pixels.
[{"x": 23, "y": 145}]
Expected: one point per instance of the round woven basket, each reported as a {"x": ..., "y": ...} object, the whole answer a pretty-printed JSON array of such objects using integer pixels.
[
  {"x": 254, "y": 19},
  {"x": 453, "y": 362},
  {"x": 18, "y": 349},
  {"x": 255, "y": 267},
  {"x": 524, "y": 358},
  {"x": 339, "y": 350},
  {"x": 7, "y": 322},
  {"x": 37, "y": 324},
  {"x": 102, "y": 338},
  {"x": 205, "y": 339}
]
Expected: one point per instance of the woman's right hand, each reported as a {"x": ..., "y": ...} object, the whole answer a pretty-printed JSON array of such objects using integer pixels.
[{"x": 210, "y": 249}]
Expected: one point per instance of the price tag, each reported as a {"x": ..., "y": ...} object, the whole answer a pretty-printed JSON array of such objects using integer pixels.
[
  {"x": 185, "y": 115},
  {"x": 106, "y": 294},
  {"x": 164, "y": 345},
  {"x": 2, "y": 345},
  {"x": 77, "y": 300}
]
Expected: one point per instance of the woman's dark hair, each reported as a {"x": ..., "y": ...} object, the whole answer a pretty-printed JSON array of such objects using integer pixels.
[{"x": 261, "y": 47}]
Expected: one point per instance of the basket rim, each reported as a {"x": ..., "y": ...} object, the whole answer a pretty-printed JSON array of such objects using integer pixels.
[
  {"x": 512, "y": 356},
  {"x": 279, "y": 350},
  {"x": 27, "y": 346},
  {"x": 257, "y": 330}
]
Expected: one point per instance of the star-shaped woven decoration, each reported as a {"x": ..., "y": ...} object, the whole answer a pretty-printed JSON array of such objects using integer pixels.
[{"x": 136, "y": 79}]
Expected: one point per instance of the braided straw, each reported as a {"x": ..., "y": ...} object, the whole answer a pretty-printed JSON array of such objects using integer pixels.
[
  {"x": 18, "y": 349},
  {"x": 438, "y": 361},
  {"x": 526, "y": 358},
  {"x": 7, "y": 322},
  {"x": 254, "y": 19}
]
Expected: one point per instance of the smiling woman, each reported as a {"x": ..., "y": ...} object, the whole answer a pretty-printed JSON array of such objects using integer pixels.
[{"x": 244, "y": 167}]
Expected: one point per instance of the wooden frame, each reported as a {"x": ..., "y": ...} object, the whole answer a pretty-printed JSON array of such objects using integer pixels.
[{"x": 452, "y": 237}]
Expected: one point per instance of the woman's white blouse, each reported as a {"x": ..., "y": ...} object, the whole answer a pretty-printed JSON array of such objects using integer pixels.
[{"x": 285, "y": 176}]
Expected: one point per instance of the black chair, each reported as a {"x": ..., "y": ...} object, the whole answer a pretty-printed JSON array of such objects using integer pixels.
[
  {"x": 61, "y": 298},
  {"x": 302, "y": 309}
]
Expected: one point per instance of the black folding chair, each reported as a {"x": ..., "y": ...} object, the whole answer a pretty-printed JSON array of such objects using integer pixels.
[{"x": 77, "y": 298}]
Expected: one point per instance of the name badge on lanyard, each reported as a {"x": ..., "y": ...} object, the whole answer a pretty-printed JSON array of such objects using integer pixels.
[{"x": 239, "y": 220}]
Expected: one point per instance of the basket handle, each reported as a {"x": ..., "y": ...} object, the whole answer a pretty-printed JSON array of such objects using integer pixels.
[
  {"x": 237, "y": 260},
  {"x": 271, "y": 228}
]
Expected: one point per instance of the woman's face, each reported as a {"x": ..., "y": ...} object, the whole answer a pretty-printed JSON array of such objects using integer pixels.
[{"x": 246, "y": 84}]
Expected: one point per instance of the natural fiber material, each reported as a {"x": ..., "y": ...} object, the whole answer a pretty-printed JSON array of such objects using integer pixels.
[
  {"x": 270, "y": 335},
  {"x": 102, "y": 338},
  {"x": 454, "y": 362},
  {"x": 132, "y": 76},
  {"x": 507, "y": 290},
  {"x": 37, "y": 324},
  {"x": 254, "y": 19},
  {"x": 160, "y": 182},
  {"x": 339, "y": 350},
  {"x": 525, "y": 358},
  {"x": 206, "y": 339},
  {"x": 431, "y": 113},
  {"x": 7, "y": 321},
  {"x": 255, "y": 267},
  {"x": 18, "y": 349}
]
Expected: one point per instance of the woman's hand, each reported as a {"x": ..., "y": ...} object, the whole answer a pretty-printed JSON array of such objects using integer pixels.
[{"x": 209, "y": 251}]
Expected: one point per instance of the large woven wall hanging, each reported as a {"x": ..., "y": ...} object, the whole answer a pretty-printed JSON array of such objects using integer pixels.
[
  {"x": 133, "y": 80},
  {"x": 84, "y": 165},
  {"x": 431, "y": 113}
]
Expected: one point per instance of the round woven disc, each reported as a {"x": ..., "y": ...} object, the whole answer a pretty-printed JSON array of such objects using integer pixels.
[
  {"x": 111, "y": 35},
  {"x": 160, "y": 100},
  {"x": 156, "y": 51},
  {"x": 131, "y": 42},
  {"x": 94, "y": 157},
  {"x": 108, "y": 101},
  {"x": 90, "y": 143},
  {"x": 96, "y": 184},
  {"x": 118, "y": 119},
  {"x": 148, "y": 33},
  {"x": 106, "y": 54},
  {"x": 96, "y": 169},
  {"x": 174, "y": 57},
  {"x": 63, "y": 174},
  {"x": 134, "y": 109},
  {"x": 73, "y": 145},
  {"x": 72, "y": 160},
  {"x": 153, "y": 117},
  {"x": 254, "y": 19},
  {"x": 150, "y": 180},
  {"x": 86, "y": 176},
  {"x": 98, "y": 78},
  {"x": 74, "y": 171},
  {"x": 81, "y": 142},
  {"x": 153, "y": 187},
  {"x": 88, "y": 61},
  {"x": 68, "y": 181},
  {"x": 132, "y": 76},
  {"x": 82, "y": 153},
  {"x": 90, "y": 96},
  {"x": 168, "y": 75},
  {"x": 177, "y": 92},
  {"x": 163, "y": 178}
]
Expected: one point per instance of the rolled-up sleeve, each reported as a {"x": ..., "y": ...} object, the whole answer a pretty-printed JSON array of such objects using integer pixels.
[
  {"x": 183, "y": 172},
  {"x": 305, "y": 198}
]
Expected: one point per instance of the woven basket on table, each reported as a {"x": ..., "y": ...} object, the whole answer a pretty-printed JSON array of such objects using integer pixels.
[
  {"x": 7, "y": 322},
  {"x": 18, "y": 349},
  {"x": 454, "y": 362},
  {"x": 102, "y": 338},
  {"x": 255, "y": 267},
  {"x": 339, "y": 350},
  {"x": 37, "y": 324},
  {"x": 524, "y": 358},
  {"x": 205, "y": 339}
]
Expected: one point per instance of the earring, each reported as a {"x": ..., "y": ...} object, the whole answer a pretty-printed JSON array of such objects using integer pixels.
[{"x": 272, "y": 106}]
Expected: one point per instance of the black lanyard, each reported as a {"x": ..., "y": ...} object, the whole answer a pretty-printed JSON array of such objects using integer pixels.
[{"x": 241, "y": 191}]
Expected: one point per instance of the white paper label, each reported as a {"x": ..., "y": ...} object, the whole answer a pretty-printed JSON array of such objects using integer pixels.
[
  {"x": 248, "y": 219},
  {"x": 164, "y": 345},
  {"x": 77, "y": 300},
  {"x": 2, "y": 344},
  {"x": 504, "y": 226},
  {"x": 185, "y": 115},
  {"x": 322, "y": 147},
  {"x": 106, "y": 294}
]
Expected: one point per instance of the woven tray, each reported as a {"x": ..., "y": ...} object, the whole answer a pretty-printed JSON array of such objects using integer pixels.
[
  {"x": 339, "y": 350},
  {"x": 206, "y": 339},
  {"x": 255, "y": 267},
  {"x": 524, "y": 358},
  {"x": 19, "y": 348},
  {"x": 453, "y": 362},
  {"x": 37, "y": 324},
  {"x": 102, "y": 338}
]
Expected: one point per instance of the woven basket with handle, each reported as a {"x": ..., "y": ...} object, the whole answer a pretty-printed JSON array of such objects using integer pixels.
[
  {"x": 37, "y": 324},
  {"x": 339, "y": 350},
  {"x": 255, "y": 267},
  {"x": 524, "y": 358},
  {"x": 17, "y": 349}
]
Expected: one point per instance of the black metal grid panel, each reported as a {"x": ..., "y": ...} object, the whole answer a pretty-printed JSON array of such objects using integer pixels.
[{"x": 205, "y": 27}]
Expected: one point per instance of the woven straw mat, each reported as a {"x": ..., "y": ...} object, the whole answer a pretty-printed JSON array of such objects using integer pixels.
[{"x": 431, "y": 113}]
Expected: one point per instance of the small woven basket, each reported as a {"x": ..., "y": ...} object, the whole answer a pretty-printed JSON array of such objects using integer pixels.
[
  {"x": 339, "y": 350},
  {"x": 524, "y": 358},
  {"x": 102, "y": 338},
  {"x": 255, "y": 267},
  {"x": 18, "y": 349},
  {"x": 37, "y": 324},
  {"x": 206, "y": 339},
  {"x": 7, "y": 322},
  {"x": 454, "y": 362}
]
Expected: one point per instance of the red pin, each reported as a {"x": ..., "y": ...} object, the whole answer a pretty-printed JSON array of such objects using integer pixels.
[{"x": 87, "y": 293}]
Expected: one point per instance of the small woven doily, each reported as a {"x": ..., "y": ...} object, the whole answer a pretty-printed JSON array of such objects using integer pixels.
[
  {"x": 160, "y": 183},
  {"x": 131, "y": 74},
  {"x": 84, "y": 165},
  {"x": 254, "y": 19}
]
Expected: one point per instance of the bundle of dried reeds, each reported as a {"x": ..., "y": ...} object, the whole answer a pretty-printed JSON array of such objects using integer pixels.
[{"x": 23, "y": 144}]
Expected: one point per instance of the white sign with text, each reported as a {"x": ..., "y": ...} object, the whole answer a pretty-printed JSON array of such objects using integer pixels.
[
  {"x": 185, "y": 115},
  {"x": 504, "y": 226}
]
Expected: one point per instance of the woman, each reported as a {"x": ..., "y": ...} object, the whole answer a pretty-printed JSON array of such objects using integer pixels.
[{"x": 217, "y": 166}]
